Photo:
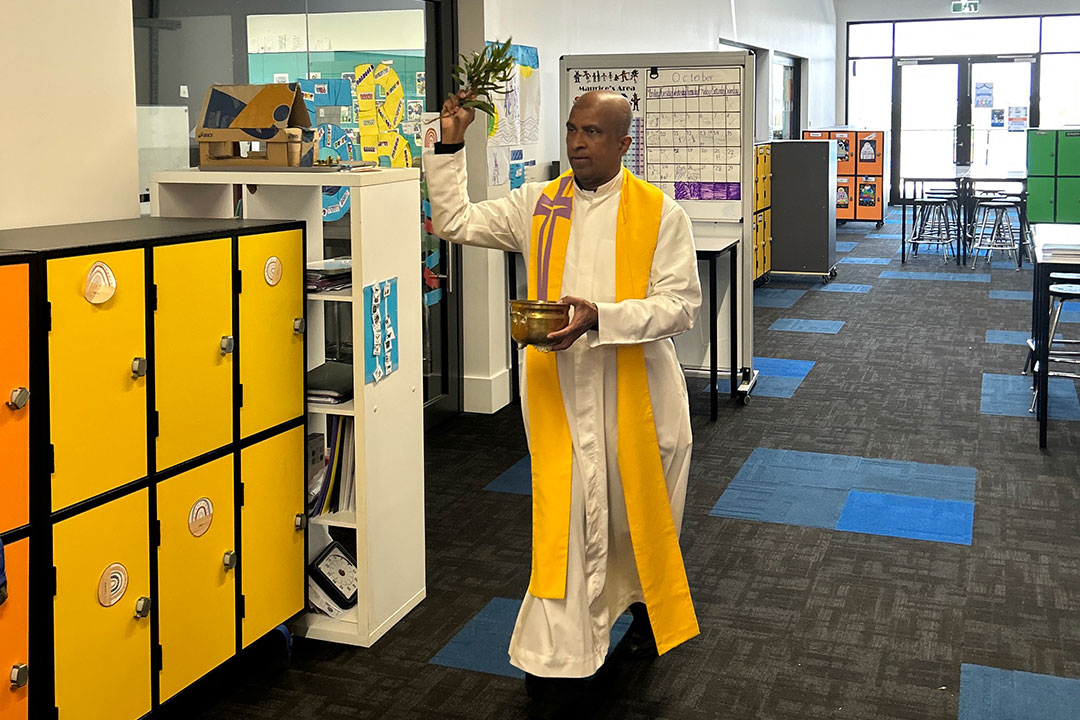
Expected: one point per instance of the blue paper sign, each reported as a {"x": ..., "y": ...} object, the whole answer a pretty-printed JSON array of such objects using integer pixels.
[{"x": 380, "y": 330}]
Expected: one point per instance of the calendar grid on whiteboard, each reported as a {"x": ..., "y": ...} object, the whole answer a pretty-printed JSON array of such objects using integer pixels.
[{"x": 694, "y": 132}]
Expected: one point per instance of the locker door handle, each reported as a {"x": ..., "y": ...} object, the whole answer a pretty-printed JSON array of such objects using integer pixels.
[
  {"x": 299, "y": 325},
  {"x": 230, "y": 560},
  {"x": 138, "y": 367},
  {"x": 228, "y": 344},
  {"x": 300, "y": 521},
  {"x": 20, "y": 675},
  {"x": 19, "y": 397},
  {"x": 142, "y": 608}
]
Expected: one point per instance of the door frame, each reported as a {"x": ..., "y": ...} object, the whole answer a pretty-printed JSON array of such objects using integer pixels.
[{"x": 961, "y": 141}]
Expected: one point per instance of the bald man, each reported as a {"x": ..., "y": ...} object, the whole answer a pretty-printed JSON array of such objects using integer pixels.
[{"x": 606, "y": 412}]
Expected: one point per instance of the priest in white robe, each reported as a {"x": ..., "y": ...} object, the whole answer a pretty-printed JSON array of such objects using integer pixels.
[{"x": 567, "y": 636}]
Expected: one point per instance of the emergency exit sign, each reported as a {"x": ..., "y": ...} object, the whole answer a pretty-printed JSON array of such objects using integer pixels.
[{"x": 966, "y": 7}]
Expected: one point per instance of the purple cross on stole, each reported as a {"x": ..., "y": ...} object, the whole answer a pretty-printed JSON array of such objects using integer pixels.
[{"x": 560, "y": 207}]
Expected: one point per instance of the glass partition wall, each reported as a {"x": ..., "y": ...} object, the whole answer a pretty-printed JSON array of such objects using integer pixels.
[
  {"x": 182, "y": 47},
  {"x": 962, "y": 92}
]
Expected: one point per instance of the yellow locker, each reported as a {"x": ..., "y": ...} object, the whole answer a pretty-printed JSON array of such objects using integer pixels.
[
  {"x": 271, "y": 332},
  {"x": 14, "y": 629},
  {"x": 196, "y": 579},
  {"x": 102, "y": 605},
  {"x": 193, "y": 349},
  {"x": 97, "y": 368},
  {"x": 757, "y": 178},
  {"x": 766, "y": 241},
  {"x": 272, "y": 540}
]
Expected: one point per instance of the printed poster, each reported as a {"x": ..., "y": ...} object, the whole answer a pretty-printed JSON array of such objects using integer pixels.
[
  {"x": 984, "y": 95},
  {"x": 997, "y": 118},
  {"x": 630, "y": 83},
  {"x": 380, "y": 330},
  {"x": 1018, "y": 118}
]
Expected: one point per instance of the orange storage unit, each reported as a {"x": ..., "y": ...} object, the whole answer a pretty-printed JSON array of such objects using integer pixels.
[
  {"x": 845, "y": 157},
  {"x": 870, "y": 149},
  {"x": 14, "y": 395},
  {"x": 845, "y": 198},
  {"x": 14, "y": 631},
  {"x": 868, "y": 189}
]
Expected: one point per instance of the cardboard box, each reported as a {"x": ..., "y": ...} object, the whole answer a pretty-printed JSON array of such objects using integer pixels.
[{"x": 273, "y": 115}]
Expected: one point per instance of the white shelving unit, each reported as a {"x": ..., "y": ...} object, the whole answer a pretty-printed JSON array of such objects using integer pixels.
[{"x": 388, "y": 415}]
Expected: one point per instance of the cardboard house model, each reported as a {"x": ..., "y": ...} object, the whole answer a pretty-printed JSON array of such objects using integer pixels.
[{"x": 272, "y": 115}]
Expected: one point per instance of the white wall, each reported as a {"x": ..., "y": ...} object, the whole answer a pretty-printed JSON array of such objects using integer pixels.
[
  {"x": 859, "y": 10},
  {"x": 70, "y": 144},
  {"x": 803, "y": 28}
]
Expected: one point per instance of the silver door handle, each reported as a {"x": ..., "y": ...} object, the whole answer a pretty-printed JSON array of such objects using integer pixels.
[
  {"x": 228, "y": 344},
  {"x": 20, "y": 675},
  {"x": 142, "y": 608},
  {"x": 300, "y": 521},
  {"x": 19, "y": 397},
  {"x": 299, "y": 325},
  {"x": 138, "y": 367},
  {"x": 230, "y": 560}
]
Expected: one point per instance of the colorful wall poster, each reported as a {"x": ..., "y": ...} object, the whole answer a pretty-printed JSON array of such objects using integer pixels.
[{"x": 984, "y": 94}]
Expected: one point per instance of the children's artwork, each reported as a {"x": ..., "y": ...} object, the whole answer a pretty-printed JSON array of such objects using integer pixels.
[
  {"x": 693, "y": 126},
  {"x": 841, "y": 197},
  {"x": 868, "y": 150},
  {"x": 867, "y": 195},
  {"x": 842, "y": 149},
  {"x": 498, "y": 165},
  {"x": 421, "y": 83},
  {"x": 518, "y": 108},
  {"x": 413, "y": 110},
  {"x": 380, "y": 330}
]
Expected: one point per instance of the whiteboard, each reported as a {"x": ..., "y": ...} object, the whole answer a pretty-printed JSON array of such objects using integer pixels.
[{"x": 691, "y": 126}]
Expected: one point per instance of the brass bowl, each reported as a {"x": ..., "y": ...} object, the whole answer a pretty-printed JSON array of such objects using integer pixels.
[{"x": 532, "y": 320}]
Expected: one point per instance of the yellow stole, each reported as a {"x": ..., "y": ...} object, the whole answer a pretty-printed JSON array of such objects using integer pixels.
[{"x": 652, "y": 527}]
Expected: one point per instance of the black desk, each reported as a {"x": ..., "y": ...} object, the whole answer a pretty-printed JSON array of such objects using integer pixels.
[
  {"x": 1046, "y": 263},
  {"x": 711, "y": 256},
  {"x": 964, "y": 178}
]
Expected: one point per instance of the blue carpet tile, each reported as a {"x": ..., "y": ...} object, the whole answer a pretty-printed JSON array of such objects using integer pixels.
[
  {"x": 845, "y": 245},
  {"x": 844, "y": 288},
  {"x": 884, "y": 236},
  {"x": 918, "y": 518},
  {"x": 1010, "y": 295},
  {"x": 776, "y": 297},
  {"x": 825, "y": 327},
  {"x": 988, "y": 693},
  {"x": 865, "y": 261},
  {"x": 1010, "y": 337},
  {"x": 777, "y": 377},
  {"x": 484, "y": 643},
  {"x": 817, "y": 489},
  {"x": 517, "y": 479},
  {"x": 943, "y": 276},
  {"x": 930, "y": 250},
  {"x": 1010, "y": 395}
]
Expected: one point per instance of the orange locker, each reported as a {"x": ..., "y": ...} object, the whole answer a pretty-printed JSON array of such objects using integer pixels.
[
  {"x": 845, "y": 198},
  {"x": 14, "y": 630},
  {"x": 14, "y": 395},
  {"x": 869, "y": 198},
  {"x": 870, "y": 147},
  {"x": 845, "y": 158}
]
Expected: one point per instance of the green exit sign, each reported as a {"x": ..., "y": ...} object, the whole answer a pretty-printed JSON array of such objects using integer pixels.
[{"x": 966, "y": 7}]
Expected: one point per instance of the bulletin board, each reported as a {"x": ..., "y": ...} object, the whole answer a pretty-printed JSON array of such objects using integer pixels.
[{"x": 692, "y": 123}]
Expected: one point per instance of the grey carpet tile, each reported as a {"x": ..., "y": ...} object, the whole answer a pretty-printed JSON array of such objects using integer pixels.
[{"x": 796, "y": 622}]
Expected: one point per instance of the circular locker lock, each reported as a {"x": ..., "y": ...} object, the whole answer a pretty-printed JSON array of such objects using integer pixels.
[
  {"x": 113, "y": 585},
  {"x": 200, "y": 517},
  {"x": 100, "y": 284},
  {"x": 272, "y": 270}
]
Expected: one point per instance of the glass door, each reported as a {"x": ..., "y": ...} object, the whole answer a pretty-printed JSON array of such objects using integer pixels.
[
  {"x": 928, "y": 107},
  {"x": 1000, "y": 105}
]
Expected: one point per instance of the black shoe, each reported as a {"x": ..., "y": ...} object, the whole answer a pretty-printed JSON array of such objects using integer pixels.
[
  {"x": 555, "y": 689},
  {"x": 639, "y": 640}
]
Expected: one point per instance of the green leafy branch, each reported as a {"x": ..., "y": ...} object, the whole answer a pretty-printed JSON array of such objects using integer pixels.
[{"x": 483, "y": 74}]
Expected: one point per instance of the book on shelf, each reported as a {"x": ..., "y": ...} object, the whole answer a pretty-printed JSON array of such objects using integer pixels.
[
  {"x": 330, "y": 384},
  {"x": 332, "y": 274},
  {"x": 333, "y": 488}
]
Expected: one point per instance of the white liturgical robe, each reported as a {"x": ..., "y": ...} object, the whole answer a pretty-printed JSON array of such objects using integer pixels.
[{"x": 569, "y": 637}]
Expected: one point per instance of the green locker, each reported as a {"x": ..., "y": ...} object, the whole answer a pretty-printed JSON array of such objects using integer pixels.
[
  {"x": 1042, "y": 152},
  {"x": 1068, "y": 153},
  {"x": 1040, "y": 204},
  {"x": 1068, "y": 200}
]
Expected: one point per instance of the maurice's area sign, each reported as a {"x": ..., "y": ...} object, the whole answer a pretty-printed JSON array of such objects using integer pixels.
[{"x": 966, "y": 7}]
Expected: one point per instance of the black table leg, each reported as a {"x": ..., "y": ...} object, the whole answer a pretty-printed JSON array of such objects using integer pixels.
[
  {"x": 1041, "y": 301},
  {"x": 712, "y": 337},
  {"x": 733, "y": 288},
  {"x": 903, "y": 222}
]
